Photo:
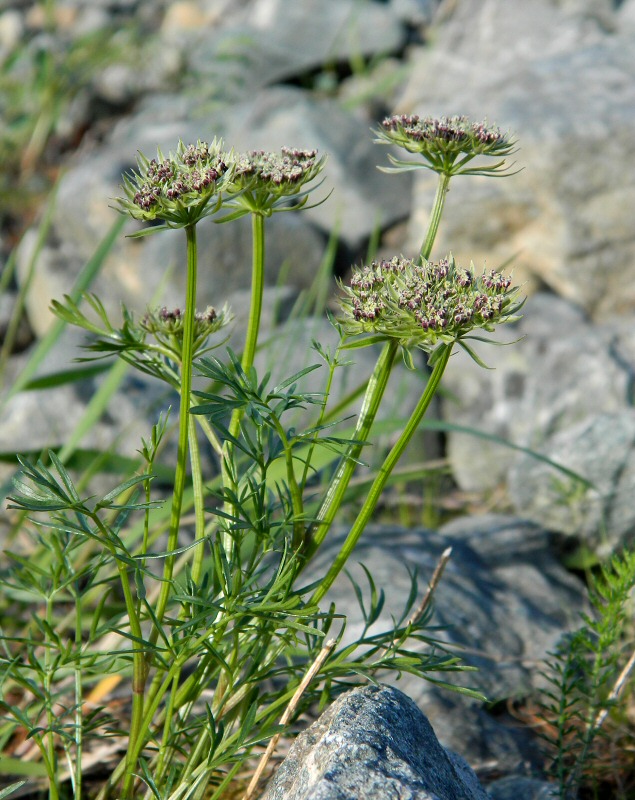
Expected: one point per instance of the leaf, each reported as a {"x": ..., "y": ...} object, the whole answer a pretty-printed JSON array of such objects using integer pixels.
[
  {"x": 121, "y": 488},
  {"x": 63, "y": 377},
  {"x": 367, "y": 341},
  {"x": 20, "y": 768},
  {"x": 294, "y": 378},
  {"x": 83, "y": 281}
]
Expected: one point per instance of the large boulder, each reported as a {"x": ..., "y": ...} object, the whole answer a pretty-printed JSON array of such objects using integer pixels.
[
  {"x": 503, "y": 575},
  {"x": 559, "y": 76},
  {"x": 558, "y": 370},
  {"x": 596, "y": 508},
  {"x": 372, "y": 743}
]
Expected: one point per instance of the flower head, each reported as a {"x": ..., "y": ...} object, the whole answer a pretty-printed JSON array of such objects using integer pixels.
[
  {"x": 167, "y": 327},
  {"x": 446, "y": 144},
  {"x": 177, "y": 189},
  {"x": 263, "y": 181},
  {"x": 422, "y": 305}
]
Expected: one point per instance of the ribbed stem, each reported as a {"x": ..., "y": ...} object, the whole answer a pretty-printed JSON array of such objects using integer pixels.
[
  {"x": 184, "y": 415},
  {"x": 435, "y": 216},
  {"x": 339, "y": 483},
  {"x": 249, "y": 350},
  {"x": 382, "y": 477}
]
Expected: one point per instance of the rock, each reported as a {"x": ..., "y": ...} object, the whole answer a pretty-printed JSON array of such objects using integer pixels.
[
  {"x": 519, "y": 788},
  {"x": 626, "y": 16},
  {"x": 560, "y": 370},
  {"x": 493, "y": 745},
  {"x": 362, "y": 198},
  {"x": 32, "y": 426},
  {"x": 565, "y": 90},
  {"x": 372, "y": 743},
  {"x": 502, "y": 577},
  {"x": 415, "y": 12},
  {"x": 602, "y": 451},
  {"x": 274, "y": 41}
]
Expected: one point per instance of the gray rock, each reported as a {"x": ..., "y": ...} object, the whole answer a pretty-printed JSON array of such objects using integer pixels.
[
  {"x": 415, "y": 12},
  {"x": 520, "y": 788},
  {"x": 601, "y": 450},
  {"x": 502, "y": 577},
  {"x": 32, "y": 425},
  {"x": 362, "y": 198},
  {"x": 493, "y": 745},
  {"x": 565, "y": 89},
  {"x": 274, "y": 41},
  {"x": 372, "y": 743},
  {"x": 626, "y": 16},
  {"x": 559, "y": 370}
]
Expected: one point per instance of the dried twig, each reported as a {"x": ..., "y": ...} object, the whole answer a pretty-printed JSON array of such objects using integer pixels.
[
  {"x": 616, "y": 691},
  {"x": 434, "y": 580},
  {"x": 315, "y": 667}
]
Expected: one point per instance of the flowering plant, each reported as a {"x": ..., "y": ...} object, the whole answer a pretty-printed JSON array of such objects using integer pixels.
[{"x": 222, "y": 640}]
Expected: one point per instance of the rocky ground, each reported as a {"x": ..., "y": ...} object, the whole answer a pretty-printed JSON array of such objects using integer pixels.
[{"x": 322, "y": 73}]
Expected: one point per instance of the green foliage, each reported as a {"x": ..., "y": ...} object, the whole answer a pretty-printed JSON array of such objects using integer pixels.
[
  {"x": 207, "y": 620},
  {"x": 587, "y": 676}
]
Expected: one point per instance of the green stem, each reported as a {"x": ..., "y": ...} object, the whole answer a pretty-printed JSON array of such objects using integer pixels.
[
  {"x": 199, "y": 507},
  {"x": 382, "y": 476},
  {"x": 165, "y": 750},
  {"x": 294, "y": 488},
  {"x": 79, "y": 696},
  {"x": 249, "y": 350},
  {"x": 435, "y": 217},
  {"x": 257, "y": 288},
  {"x": 339, "y": 483},
  {"x": 50, "y": 716},
  {"x": 139, "y": 674},
  {"x": 184, "y": 416},
  {"x": 140, "y": 667}
]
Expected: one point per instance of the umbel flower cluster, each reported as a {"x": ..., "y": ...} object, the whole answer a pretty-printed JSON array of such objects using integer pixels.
[
  {"x": 168, "y": 325},
  {"x": 422, "y": 304},
  {"x": 178, "y": 189},
  {"x": 446, "y": 144},
  {"x": 278, "y": 172}
]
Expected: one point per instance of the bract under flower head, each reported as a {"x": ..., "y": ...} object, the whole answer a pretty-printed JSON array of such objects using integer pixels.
[
  {"x": 177, "y": 189},
  {"x": 446, "y": 144},
  {"x": 422, "y": 305},
  {"x": 263, "y": 180}
]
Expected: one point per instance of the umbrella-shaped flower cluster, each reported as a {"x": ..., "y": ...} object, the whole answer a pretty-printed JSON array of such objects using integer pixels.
[
  {"x": 422, "y": 304},
  {"x": 178, "y": 188},
  {"x": 447, "y": 144}
]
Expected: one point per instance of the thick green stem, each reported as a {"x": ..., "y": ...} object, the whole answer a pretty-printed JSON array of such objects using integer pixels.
[
  {"x": 435, "y": 217},
  {"x": 339, "y": 483},
  {"x": 140, "y": 667},
  {"x": 382, "y": 476},
  {"x": 50, "y": 716},
  {"x": 257, "y": 288},
  {"x": 249, "y": 350},
  {"x": 184, "y": 416},
  {"x": 199, "y": 505}
]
